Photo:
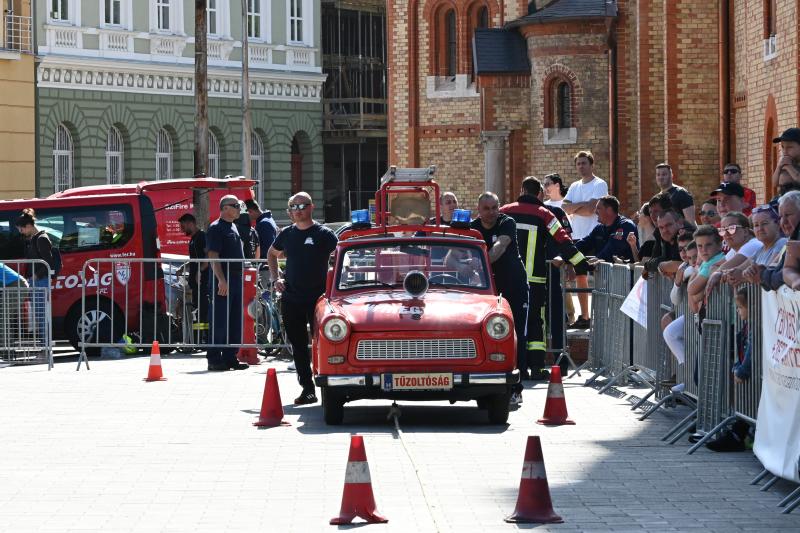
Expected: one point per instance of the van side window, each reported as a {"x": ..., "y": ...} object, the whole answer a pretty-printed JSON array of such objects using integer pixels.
[
  {"x": 88, "y": 228},
  {"x": 12, "y": 245}
]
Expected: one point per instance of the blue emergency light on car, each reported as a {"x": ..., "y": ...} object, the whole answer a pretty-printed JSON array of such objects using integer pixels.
[
  {"x": 360, "y": 219},
  {"x": 461, "y": 218}
]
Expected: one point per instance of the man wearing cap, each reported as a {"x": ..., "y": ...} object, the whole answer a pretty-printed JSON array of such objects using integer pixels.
[
  {"x": 790, "y": 155},
  {"x": 730, "y": 197},
  {"x": 682, "y": 200},
  {"x": 307, "y": 246},
  {"x": 225, "y": 314},
  {"x": 732, "y": 173}
]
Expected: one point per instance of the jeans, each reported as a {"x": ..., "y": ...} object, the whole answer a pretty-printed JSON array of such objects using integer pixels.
[
  {"x": 673, "y": 337},
  {"x": 296, "y": 318}
]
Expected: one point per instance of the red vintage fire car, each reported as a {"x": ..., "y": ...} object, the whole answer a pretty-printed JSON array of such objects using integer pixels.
[{"x": 410, "y": 310}]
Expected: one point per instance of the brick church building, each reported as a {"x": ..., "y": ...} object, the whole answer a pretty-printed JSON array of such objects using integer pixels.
[{"x": 493, "y": 90}]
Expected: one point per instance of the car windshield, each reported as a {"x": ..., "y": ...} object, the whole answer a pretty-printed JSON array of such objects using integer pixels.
[{"x": 449, "y": 265}]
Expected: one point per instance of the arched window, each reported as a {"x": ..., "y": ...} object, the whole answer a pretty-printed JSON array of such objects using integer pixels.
[
  {"x": 451, "y": 45},
  {"x": 296, "y": 168},
  {"x": 62, "y": 159},
  {"x": 257, "y": 164},
  {"x": 114, "y": 157},
  {"x": 163, "y": 155},
  {"x": 213, "y": 156},
  {"x": 477, "y": 17},
  {"x": 563, "y": 102}
]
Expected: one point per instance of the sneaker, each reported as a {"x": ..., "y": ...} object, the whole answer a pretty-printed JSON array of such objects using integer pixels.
[
  {"x": 307, "y": 397},
  {"x": 217, "y": 368},
  {"x": 581, "y": 323},
  {"x": 680, "y": 387},
  {"x": 515, "y": 400},
  {"x": 239, "y": 366},
  {"x": 292, "y": 367},
  {"x": 541, "y": 374}
]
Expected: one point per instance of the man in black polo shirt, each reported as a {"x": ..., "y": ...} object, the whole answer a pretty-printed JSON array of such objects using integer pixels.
[
  {"x": 307, "y": 246},
  {"x": 225, "y": 314},
  {"x": 682, "y": 200},
  {"x": 499, "y": 231}
]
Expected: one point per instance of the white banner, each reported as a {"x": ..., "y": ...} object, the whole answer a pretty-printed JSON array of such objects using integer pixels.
[
  {"x": 635, "y": 304},
  {"x": 777, "y": 443}
]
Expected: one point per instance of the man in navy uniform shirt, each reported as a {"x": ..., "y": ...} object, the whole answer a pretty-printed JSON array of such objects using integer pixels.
[
  {"x": 609, "y": 239},
  {"x": 225, "y": 314}
]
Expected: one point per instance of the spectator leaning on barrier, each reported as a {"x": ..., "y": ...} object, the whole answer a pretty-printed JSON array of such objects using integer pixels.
[
  {"x": 197, "y": 250},
  {"x": 709, "y": 254},
  {"x": 642, "y": 243},
  {"x": 732, "y": 173},
  {"x": 499, "y": 232},
  {"x": 666, "y": 251},
  {"x": 579, "y": 203},
  {"x": 681, "y": 199},
  {"x": 307, "y": 246},
  {"x": 708, "y": 213},
  {"x": 766, "y": 227},
  {"x": 266, "y": 229},
  {"x": 536, "y": 227},
  {"x": 790, "y": 155},
  {"x": 671, "y": 326},
  {"x": 789, "y": 210},
  {"x": 735, "y": 229},
  {"x": 225, "y": 313},
  {"x": 609, "y": 239}
]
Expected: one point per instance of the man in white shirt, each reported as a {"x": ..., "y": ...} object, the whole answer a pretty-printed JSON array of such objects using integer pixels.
[{"x": 580, "y": 203}]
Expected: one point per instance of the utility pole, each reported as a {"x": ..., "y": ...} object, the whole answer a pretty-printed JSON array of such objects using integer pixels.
[
  {"x": 200, "y": 196},
  {"x": 246, "y": 126}
]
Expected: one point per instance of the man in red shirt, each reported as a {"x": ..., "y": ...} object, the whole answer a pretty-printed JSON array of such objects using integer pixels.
[{"x": 732, "y": 173}]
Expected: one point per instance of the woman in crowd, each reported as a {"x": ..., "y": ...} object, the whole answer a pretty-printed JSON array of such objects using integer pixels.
[
  {"x": 737, "y": 233},
  {"x": 554, "y": 190},
  {"x": 768, "y": 232}
]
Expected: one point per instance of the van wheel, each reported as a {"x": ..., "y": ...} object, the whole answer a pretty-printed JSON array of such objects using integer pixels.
[
  {"x": 332, "y": 407},
  {"x": 94, "y": 325},
  {"x": 498, "y": 409}
]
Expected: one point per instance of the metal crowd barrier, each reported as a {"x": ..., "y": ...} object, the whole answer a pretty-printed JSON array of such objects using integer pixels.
[
  {"x": 26, "y": 317},
  {"x": 598, "y": 359},
  {"x": 134, "y": 301},
  {"x": 618, "y": 332}
]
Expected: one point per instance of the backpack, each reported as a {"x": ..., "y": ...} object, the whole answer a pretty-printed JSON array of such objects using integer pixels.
[{"x": 55, "y": 254}]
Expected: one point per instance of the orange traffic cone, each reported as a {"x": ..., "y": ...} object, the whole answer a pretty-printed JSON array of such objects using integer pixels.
[
  {"x": 154, "y": 372},
  {"x": 555, "y": 407},
  {"x": 533, "y": 503},
  {"x": 357, "y": 499},
  {"x": 248, "y": 355},
  {"x": 271, "y": 408}
]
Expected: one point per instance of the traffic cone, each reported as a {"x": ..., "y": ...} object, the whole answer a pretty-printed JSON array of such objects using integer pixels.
[
  {"x": 533, "y": 503},
  {"x": 271, "y": 408},
  {"x": 357, "y": 498},
  {"x": 555, "y": 407},
  {"x": 154, "y": 372},
  {"x": 248, "y": 355}
]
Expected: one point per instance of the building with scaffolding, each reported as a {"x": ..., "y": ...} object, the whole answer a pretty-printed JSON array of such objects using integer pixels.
[{"x": 354, "y": 103}]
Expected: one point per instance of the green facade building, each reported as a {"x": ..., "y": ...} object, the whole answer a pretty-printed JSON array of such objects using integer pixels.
[{"x": 116, "y": 93}]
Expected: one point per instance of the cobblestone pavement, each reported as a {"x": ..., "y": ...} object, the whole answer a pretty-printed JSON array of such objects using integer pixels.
[{"x": 104, "y": 451}]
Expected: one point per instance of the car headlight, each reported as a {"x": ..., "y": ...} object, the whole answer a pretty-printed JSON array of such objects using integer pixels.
[
  {"x": 335, "y": 329},
  {"x": 498, "y": 327}
]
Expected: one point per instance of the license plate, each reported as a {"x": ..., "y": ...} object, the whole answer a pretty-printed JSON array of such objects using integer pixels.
[{"x": 429, "y": 381}]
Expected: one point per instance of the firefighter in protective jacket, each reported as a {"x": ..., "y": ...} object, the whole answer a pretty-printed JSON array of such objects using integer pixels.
[{"x": 536, "y": 226}]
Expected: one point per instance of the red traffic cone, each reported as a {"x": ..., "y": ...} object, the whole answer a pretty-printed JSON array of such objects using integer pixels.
[
  {"x": 533, "y": 503},
  {"x": 154, "y": 372},
  {"x": 357, "y": 498},
  {"x": 555, "y": 407},
  {"x": 248, "y": 355},
  {"x": 271, "y": 407}
]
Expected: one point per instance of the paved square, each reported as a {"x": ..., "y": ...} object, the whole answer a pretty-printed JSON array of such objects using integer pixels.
[{"x": 102, "y": 450}]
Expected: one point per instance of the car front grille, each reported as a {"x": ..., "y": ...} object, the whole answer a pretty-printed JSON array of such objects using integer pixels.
[{"x": 410, "y": 349}]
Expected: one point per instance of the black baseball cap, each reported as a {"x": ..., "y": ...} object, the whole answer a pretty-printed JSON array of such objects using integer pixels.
[
  {"x": 792, "y": 134},
  {"x": 729, "y": 188}
]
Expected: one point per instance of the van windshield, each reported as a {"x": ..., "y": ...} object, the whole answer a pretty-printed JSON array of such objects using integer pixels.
[{"x": 387, "y": 265}]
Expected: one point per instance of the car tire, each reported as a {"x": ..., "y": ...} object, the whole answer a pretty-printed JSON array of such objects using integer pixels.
[
  {"x": 98, "y": 315},
  {"x": 332, "y": 407},
  {"x": 498, "y": 409}
]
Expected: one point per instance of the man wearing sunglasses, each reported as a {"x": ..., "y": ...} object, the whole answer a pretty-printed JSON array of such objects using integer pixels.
[
  {"x": 307, "y": 246},
  {"x": 708, "y": 213},
  {"x": 225, "y": 314},
  {"x": 732, "y": 173}
]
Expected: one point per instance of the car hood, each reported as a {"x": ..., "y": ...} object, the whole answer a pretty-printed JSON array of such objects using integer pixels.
[{"x": 397, "y": 311}]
